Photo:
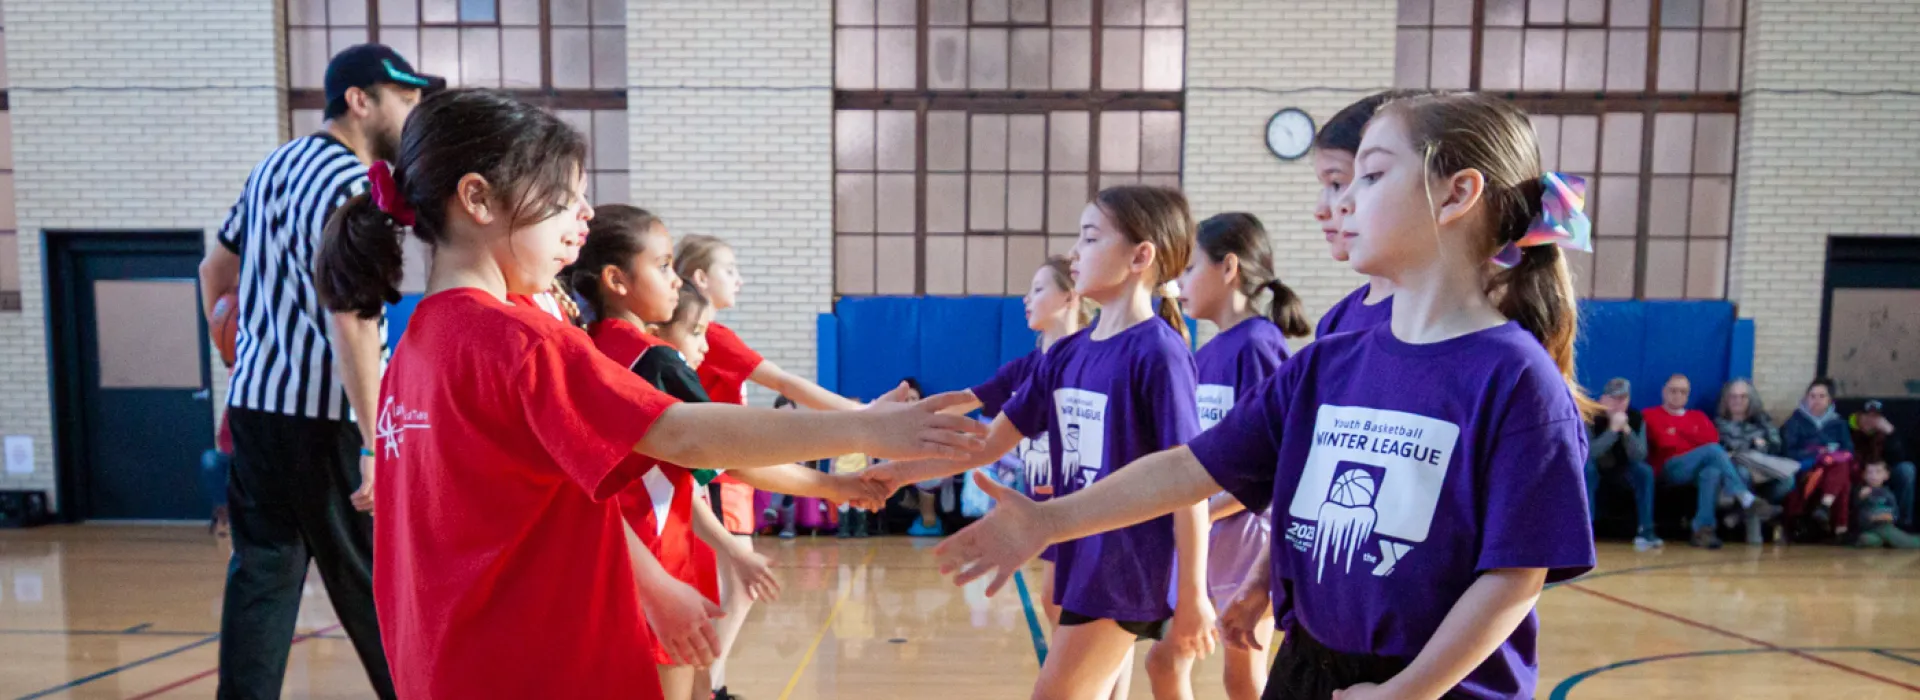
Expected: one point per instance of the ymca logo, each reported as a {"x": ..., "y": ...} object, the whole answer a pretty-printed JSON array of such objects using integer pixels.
[
  {"x": 1372, "y": 475},
  {"x": 390, "y": 430}
]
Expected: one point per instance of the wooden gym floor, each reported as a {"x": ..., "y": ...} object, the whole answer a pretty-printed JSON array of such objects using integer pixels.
[{"x": 98, "y": 611}]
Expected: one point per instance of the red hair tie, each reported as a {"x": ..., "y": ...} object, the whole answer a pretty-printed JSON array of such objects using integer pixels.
[{"x": 386, "y": 194}]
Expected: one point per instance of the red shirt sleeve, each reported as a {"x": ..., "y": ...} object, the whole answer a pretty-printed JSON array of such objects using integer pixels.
[
  {"x": 729, "y": 360},
  {"x": 588, "y": 412}
]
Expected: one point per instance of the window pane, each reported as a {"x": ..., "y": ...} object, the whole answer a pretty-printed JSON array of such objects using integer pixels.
[
  {"x": 898, "y": 13},
  {"x": 9, "y": 215},
  {"x": 518, "y": 13},
  {"x": 1120, "y": 59},
  {"x": 480, "y": 57},
  {"x": 1060, "y": 245},
  {"x": 1579, "y": 143},
  {"x": 10, "y": 262},
  {"x": 610, "y": 58},
  {"x": 1027, "y": 143},
  {"x": 519, "y": 58},
  {"x": 1449, "y": 72},
  {"x": 1580, "y": 268},
  {"x": 989, "y": 11},
  {"x": 946, "y": 203},
  {"x": 6, "y": 143},
  {"x": 569, "y": 13},
  {"x": 893, "y": 267},
  {"x": 1720, "y": 61},
  {"x": 1030, "y": 59},
  {"x": 147, "y": 333},
  {"x": 946, "y": 265},
  {"x": 853, "y": 61},
  {"x": 853, "y": 203},
  {"x": 898, "y": 210},
  {"x": 1415, "y": 13},
  {"x": 307, "y": 57},
  {"x": 1164, "y": 56},
  {"x": 1067, "y": 135},
  {"x": 988, "y": 54},
  {"x": 572, "y": 58},
  {"x": 1667, "y": 207},
  {"x": 1618, "y": 206},
  {"x": 1626, "y": 61},
  {"x": 1120, "y": 142},
  {"x": 1586, "y": 59},
  {"x": 1500, "y": 59},
  {"x": 1030, "y": 11},
  {"x": 393, "y": 13},
  {"x": 1123, "y": 13},
  {"x": 1706, "y": 269},
  {"x": 1713, "y": 142},
  {"x": 612, "y": 186},
  {"x": 853, "y": 137},
  {"x": 340, "y": 38},
  {"x": 1072, "y": 13},
  {"x": 1072, "y": 59},
  {"x": 406, "y": 41},
  {"x": 1613, "y": 269},
  {"x": 348, "y": 12},
  {"x": 1712, "y": 209},
  {"x": 1630, "y": 13},
  {"x": 850, "y": 13},
  {"x": 946, "y": 59},
  {"x": 439, "y": 11},
  {"x": 313, "y": 13},
  {"x": 1453, "y": 13},
  {"x": 1679, "y": 60},
  {"x": 1546, "y": 49},
  {"x": 1546, "y": 133},
  {"x": 1160, "y": 142},
  {"x": 1026, "y": 196},
  {"x": 1410, "y": 58},
  {"x": 898, "y": 61},
  {"x": 1025, "y": 254},
  {"x": 1506, "y": 13},
  {"x": 987, "y": 202},
  {"x": 1590, "y": 12},
  {"x": 1673, "y": 143},
  {"x": 947, "y": 13},
  {"x": 1166, "y": 13},
  {"x": 610, "y": 150},
  {"x": 1554, "y": 11},
  {"x": 947, "y": 141},
  {"x": 1666, "y": 269},
  {"x": 1066, "y": 197},
  {"x": 440, "y": 52},
  {"x": 986, "y": 264},
  {"x": 582, "y": 121},
  {"x": 1679, "y": 13},
  {"x": 1722, "y": 13},
  {"x": 853, "y": 264},
  {"x": 471, "y": 11},
  {"x": 989, "y": 142},
  {"x": 1620, "y": 144},
  {"x": 894, "y": 143}
]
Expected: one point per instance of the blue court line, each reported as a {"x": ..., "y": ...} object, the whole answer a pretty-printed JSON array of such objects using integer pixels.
[
  {"x": 1903, "y": 659},
  {"x": 83, "y": 680},
  {"x": 1566, "y": 686},
  {"x": 139, "y": 631},
  {"x": 1033, "y": 620}
]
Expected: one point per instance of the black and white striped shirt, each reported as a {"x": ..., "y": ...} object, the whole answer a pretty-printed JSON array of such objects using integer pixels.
[{"x": 282, "y": 361}]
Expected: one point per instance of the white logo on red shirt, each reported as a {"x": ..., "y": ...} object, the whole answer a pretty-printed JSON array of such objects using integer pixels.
[{"x": 395, "y": 420}]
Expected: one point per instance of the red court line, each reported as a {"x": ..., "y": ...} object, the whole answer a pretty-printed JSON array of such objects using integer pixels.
[
  {"x": 1736, "y": 635},
  {"x": 156, "y": 692}
]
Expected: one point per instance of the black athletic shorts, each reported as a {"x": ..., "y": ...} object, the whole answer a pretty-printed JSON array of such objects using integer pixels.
[{"x": 1154, "y": 630}]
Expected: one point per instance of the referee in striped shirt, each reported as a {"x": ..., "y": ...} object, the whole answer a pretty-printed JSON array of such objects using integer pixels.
[{"x": 302, "y": 482}]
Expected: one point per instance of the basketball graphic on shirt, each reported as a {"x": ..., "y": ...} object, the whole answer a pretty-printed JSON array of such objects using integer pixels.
[
  {"x": 1346, "y": 518},
  {"x": 1370, "y": 487},
  {"x": 1353, "y": 488},
  {"x": 1070, "y": 454},
  {"x": 1082, "y": 419},
  {"x": 1036, "y": 453}
]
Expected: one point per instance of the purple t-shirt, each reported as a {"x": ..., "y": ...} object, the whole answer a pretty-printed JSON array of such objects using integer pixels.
[
  {"x": 1352, "y": 313},
  {"x": 994, "y": 392},
  {"x": 1104, "y": 404},
  {"x": 1398, "y": 473},
  {"x": 1031, "y": 457},
  {"x": 1231, "y": 365}
]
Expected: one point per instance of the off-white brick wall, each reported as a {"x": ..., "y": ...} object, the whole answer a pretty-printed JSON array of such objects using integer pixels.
[
  {"x": 1247, "y": 59},
  {"x": 1814, "y": 164},
  {"x": 731, "y": 108},
  {"x": 127, "y": 115}
]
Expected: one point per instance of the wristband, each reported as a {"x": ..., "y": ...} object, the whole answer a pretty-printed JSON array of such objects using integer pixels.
[{"x": 366, "y": 452}]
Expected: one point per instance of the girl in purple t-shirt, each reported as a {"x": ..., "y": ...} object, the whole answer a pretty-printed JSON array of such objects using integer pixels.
[
  {"x": 1232, "y": 266},
  {"x": 1333, "y": 153},
  {"x": 1425, "y": 476},
  {"x": 1105, "y": 397}
]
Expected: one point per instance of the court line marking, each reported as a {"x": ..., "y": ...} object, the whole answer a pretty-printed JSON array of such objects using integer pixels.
[
  {"x": 1033, "y": 620},
  {"x": 1903, "y": 659},
  {"x": 83, "y": 680},
  {"x": 826, "y": 626},
  {"x": 1561, "y": 690},
  {"x": 1702, "y": 561},
  {"x": 1750, "y": 640},
  {"x": 216, "y": 669},
  {"x": 107, "y": 633}
]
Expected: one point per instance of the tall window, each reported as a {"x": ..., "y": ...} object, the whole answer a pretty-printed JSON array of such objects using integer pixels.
[
  {"x": 969, "y": 134},
  {"x": 1639, "y": 96},
  {"x": 9, "y": 226},
  {"x": 569, "y": 55}
]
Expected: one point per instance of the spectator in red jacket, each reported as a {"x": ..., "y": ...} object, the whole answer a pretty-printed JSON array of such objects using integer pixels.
[{"x": 1684, "y": 448}]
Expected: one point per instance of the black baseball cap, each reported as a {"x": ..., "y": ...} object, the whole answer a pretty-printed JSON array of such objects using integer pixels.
[{"x": 366, "y": 65}]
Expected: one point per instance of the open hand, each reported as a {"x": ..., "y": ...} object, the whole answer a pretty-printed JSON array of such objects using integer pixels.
[
  {"x": 682, "y": 621},
  {"x": 1243, "y": 613},
  {"x": 1193, "y": 634},
  {"x": 362, "y": 497},
  {"x": 1013, "y": 533},
  {"x": 756, "y": 574},
  {"x": 918, "y": 429},
  {"x": 899, "y": 394},
  {"x": 870, "y": 489}
]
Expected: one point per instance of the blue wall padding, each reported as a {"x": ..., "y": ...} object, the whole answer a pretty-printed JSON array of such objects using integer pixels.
[
  {"x": 1648, "y": 341},
  {"x": 397, "y": 315},
  {"x": 1016, "y": 339},
  {"x": 826, "y": 330},
  {"x": 959, "y": 341},
  {"x": 879, "y": 343},
  {"x": 1612, "y": 343},
  {"x": 1740, "y": 361}
]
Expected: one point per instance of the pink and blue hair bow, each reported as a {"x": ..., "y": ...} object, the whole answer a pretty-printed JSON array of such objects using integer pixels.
[{"x": 1562, "y": 220}]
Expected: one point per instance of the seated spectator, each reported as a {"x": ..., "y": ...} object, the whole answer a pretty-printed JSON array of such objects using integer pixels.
[
  {"x": 1876, "y": 510},
  {"x": 1875, "y": 441},
  {"x": 1748, "y": 436},
  {"x": 1684, "y": 448},
  {"x": 1818, "y": 437},
  {"x": 1617, "y": 444}
]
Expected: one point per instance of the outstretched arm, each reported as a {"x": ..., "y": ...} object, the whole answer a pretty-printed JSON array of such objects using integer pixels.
[
  {"x": 796, "y": 480},
  {"x": 803, "y": 391},
  {"x": 721, "y": 435},
  {"x": 1001, "y": 439}
]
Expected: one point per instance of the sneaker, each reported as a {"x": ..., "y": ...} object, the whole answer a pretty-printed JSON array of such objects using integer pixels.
[
  {"x": 722, "y": 694},
  {"x": 859, "y": 523},
  {"x": 1647, "y": 541},
  {"x": 920, "y": 529},
  {"x": 786, "y": 533},
  {"x": 1705, "y": 538},
  {"x": 1756, "y": 516}
]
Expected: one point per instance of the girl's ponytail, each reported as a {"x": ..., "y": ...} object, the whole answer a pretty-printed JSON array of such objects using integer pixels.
[
  {"x": 359, "y": 267},
  {"x": 1242, "y": 236},
  {"x": 1286, "y": 310},
  {"x": 1169, "y": 311},
  {"x": 1158, "y": 216}
]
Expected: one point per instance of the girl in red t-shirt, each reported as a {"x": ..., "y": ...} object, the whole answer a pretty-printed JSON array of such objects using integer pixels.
[{"x": 503, "y": 568}]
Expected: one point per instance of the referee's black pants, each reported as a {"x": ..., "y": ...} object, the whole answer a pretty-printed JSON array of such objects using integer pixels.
[{"x": 288, "y": 494}]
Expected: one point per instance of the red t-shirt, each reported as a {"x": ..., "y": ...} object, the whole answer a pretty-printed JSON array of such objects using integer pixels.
[
  {"x": 503, "y": 570},
  {"x": 728, "y": 365},
  {"x": 1669, "y": 436}
]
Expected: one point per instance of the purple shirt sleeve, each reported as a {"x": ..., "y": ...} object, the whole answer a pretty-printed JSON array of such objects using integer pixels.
[
  {"x": 1535, "y": 514},
  {"x": 1175, "y": 386},
  {"x": 1242, "y": 453},
  {"x": 994, "y": 392},
  {"x": 1032, "y": 405}
]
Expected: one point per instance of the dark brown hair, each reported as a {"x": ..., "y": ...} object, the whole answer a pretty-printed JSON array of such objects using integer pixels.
[
  {"x": 616, "y": 235},
  {"x": 1158, "y": 216},
  {"x": 1342, "y": 132},
  {"x": 1468, "y": 131},
  {"x": 529, "y": 158},
  {"x": 1240, "y": 234},
  {"x": 691, "y": 303}
]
